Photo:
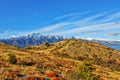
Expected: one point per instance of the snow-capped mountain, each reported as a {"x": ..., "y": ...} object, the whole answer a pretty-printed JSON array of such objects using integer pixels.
[
  {"x": 37, "y": 39},
  {"x": 31, "y": 39}
]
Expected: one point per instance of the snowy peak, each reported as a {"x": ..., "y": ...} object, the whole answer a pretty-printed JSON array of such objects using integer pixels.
[
  {"x": 31, "y": 39},
  {"x": 37, "y": 39}
]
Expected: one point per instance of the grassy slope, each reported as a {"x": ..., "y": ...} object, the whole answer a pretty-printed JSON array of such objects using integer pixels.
[{"x": 68, "y": 53}]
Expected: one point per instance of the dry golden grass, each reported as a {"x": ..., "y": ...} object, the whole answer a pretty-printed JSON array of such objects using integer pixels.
[{"x": 62, "y": 57}]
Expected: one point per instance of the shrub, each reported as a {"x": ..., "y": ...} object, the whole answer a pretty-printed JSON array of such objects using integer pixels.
[
  {"x": 46, "y": 44},
  {"x": 28, "y": 63},
  {"x": 12, "y": 59},
  {"x": 86, "y": 72},
  {"x": 59, "y": 65}
]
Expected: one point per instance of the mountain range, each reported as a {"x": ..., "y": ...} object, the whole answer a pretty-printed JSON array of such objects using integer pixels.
[
  {"x": 31, "y": 39},
  {"x": 37, "y": 39}
]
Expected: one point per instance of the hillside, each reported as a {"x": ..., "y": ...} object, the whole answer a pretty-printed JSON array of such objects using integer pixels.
[{"x": 59, "y": 61}]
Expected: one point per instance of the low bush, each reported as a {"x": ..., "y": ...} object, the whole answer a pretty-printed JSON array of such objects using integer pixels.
[
  {"x": 86, "y": 72},
  {"x": 12, "y": 59}
]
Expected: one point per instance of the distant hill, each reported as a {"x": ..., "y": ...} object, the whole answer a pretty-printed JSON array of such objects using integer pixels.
[
  {"x": 59, "y": 61},
  {"x": 110, "y": 43}
]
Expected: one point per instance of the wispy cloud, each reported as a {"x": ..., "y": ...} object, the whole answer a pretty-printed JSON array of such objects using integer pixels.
[
  {"x": 9, "y": 33},
  {"x": 95, "y": 27},
  {"x": 70, "y": 16},
  {"x": 6, "y": 32},
  {"x": 91, "y": 24},
  {"x": 66, "y": 16},
  {"x": 114, "y": 34},
  {"x": 87, "y": 24}
]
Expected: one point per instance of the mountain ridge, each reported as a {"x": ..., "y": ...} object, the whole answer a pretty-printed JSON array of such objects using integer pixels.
[
  {"x": 37, "y": 39},
  {"x": 31, "y": 39}
]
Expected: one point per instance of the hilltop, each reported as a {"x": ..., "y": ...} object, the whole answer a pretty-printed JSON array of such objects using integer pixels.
[{"x": 59, "y": 61}]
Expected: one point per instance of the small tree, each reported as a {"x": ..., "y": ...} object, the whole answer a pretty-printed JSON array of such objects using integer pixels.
[
  {"x": 86, "y": 72},
  {"x": 46, "y": 44},
  {"x": 12, "y": 59}
]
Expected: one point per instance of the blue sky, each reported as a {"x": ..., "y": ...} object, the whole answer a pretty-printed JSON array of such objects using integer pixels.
[{"x": 83, "y": 18}]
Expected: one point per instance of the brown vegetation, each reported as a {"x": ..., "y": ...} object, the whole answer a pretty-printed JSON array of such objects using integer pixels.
[{"x": 59, "y": 61}]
